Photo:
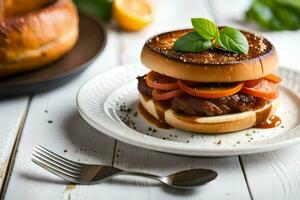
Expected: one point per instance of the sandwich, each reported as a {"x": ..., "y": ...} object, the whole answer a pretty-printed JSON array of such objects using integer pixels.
[{"x": 215, "y": 90}]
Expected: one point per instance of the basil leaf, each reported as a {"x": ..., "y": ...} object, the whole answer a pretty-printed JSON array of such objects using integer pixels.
[
  {"x": 191, "y": 42},
  {"x": 232, "y": 40},
  {"x": 205, "y": 28}
]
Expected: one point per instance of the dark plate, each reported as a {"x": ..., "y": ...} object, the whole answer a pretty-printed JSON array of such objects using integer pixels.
[{"x": 91, "y": 41}]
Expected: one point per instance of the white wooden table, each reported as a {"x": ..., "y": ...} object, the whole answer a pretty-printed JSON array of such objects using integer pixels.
[{"x": 26, "y": 122}]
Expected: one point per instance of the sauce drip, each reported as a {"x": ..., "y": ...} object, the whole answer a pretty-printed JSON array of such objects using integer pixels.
[
  {"x": 271, "y": 122},
  {"x": 263, "y": 115},
  {"x": 158, "y": 123}
]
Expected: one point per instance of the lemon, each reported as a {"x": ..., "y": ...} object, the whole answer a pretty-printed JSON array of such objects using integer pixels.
[{"x": 132, "y": 15}]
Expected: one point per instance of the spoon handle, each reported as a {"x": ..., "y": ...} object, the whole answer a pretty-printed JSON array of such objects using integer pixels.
[{"x": 141, "y": 174}]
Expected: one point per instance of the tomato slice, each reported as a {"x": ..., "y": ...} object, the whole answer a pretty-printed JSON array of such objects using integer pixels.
[
  {"x": 265, "y": 89},
  {"x": 159, "y": 95},
  {"x": 210, "y": 92},
  {"x": 271, "y": 77},
  {"x": 274, "y": 78},
  {"x": 161, "y": 82},
  {"x": 252, "y": 83}
]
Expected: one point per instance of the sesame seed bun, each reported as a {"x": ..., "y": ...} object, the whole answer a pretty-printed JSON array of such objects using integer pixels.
[{"x": 209, "y": 66}]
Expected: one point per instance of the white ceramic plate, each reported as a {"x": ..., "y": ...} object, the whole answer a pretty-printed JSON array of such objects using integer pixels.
[{"x": 100, "y": 99}]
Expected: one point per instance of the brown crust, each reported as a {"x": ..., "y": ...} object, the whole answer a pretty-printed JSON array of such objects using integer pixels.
[
  {"x": 209, "y": 66},
  {"x": 29, "y": 40}
]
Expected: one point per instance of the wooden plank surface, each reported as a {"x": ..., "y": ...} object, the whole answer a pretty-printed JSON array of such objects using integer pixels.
[
  {"x": 53, "y": 122},
  {"x": 172, "y": 15},
  {"x": 12, "y": 114},
  {"x": 274, "y": 175},
  {"x": 133, "y": 158}
]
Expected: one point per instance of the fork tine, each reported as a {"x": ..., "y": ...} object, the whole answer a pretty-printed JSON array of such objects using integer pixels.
[
  {"x": 75, "y": 164},
  {"x": 57, "y": 163},
  {"x": 54, "y": 170},
  {"x": 57, "y": 166},
  {"x": 55, "y": 159}
]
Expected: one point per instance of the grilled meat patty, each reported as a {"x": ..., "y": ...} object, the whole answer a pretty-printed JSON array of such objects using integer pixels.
[
  {"x": 195, "y": 106},
  {"x": 143, "y": 87}
]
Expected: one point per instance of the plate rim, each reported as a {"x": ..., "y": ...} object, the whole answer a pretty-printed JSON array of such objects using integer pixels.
[{"x": 171, "y": 146}]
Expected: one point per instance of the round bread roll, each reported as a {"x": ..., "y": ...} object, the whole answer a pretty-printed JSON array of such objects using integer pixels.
[
  {"x": 209, "y": 66},
  {"x": 211, "y": 125},
  {"x": 35, "y": 33}
]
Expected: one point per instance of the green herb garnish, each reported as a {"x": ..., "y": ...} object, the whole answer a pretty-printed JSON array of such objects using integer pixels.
[
  {"x": 275, "y": 14},
  {"x": 205, "y": 28},
  {"x": 233, "y": 40},
  {"x": 207, "y": 35},
  {"x": 191, "y": 42}
]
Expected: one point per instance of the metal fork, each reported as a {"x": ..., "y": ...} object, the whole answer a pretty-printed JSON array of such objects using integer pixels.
[{"x": 81, "y": 173}]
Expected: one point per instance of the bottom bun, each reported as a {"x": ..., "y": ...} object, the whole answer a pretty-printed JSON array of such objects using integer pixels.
[{"x": 210, "y": 125}]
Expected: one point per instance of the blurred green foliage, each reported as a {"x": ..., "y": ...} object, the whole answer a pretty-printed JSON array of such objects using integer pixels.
[
  {"x": 275, "y": 14},
  {"x": 98, "y": 8}
]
